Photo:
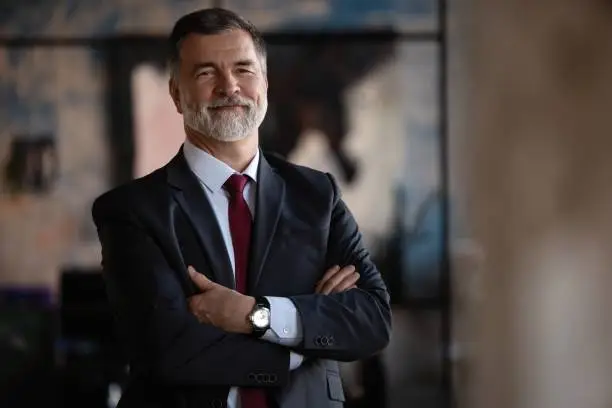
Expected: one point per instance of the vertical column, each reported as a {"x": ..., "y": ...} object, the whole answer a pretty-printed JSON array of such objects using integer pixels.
[{"x": 533, "y": 186}]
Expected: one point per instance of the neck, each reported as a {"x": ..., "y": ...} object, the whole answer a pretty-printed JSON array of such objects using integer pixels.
[{"x": 237, "y": 154}]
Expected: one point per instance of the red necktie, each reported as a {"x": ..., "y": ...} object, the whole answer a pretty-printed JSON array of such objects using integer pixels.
[{"x": 240, "y": 226}]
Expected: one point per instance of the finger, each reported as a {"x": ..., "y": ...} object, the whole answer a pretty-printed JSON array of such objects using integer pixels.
[
  {"x": 336, "y": 279},
  {"x": 328, "y": 274},
  {"x": 328, "y": 284},
  {"x": 194, "y": 308},
  {"x": 200, "y": 279},
  {"x": 193, "y": 304},
  {"x": 347, "y": 283}
]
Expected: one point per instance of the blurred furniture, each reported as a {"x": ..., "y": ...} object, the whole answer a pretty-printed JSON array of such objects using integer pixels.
[
  {"x": 91, "y": 362},
  {"x": 27, "y": 328}
]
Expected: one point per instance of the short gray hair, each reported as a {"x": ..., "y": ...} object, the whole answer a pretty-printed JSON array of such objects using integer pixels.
[{"x": 211, "y": 21}]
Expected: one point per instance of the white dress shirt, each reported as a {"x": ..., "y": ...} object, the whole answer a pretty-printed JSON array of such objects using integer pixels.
[{"x": 285, "y": 324}]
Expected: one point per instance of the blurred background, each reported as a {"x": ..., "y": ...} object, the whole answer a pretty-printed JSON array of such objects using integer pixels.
[{"x": 470, "y": 141}]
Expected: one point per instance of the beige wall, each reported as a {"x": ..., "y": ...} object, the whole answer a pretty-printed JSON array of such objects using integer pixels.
[
  {"x": 40, "y": 234},
  {"x": 533, "y": 186}
]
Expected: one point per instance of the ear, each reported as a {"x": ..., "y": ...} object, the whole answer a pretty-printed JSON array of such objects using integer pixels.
[{"x": 174, "y": 91}]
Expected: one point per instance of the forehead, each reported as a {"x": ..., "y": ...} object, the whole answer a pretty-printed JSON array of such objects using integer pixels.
[{"x": 224, "y": 47}]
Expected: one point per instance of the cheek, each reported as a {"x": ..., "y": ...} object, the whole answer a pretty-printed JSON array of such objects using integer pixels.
[
  {"x": 254, "y": 90},
  {"x": 198, "y": 93},
  {"x": 185, "y": 96},
  {"x": 263, "y": 92},
  {"x": 260, "y": 96}
]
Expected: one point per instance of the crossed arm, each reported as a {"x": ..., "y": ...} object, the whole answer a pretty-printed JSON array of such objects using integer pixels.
[
  {"x": 165, "y": 340},
  {"x": 228, "y": 310}
]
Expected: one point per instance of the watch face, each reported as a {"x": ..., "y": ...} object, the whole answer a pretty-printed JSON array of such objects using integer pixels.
[{"x": 261, "y": 318}]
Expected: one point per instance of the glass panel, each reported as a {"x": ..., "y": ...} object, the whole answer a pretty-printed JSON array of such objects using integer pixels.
[
  {"x": 334, "y": 106},
  {"x": 421, "y": 232},
  {"x": 366, "y": 111}
]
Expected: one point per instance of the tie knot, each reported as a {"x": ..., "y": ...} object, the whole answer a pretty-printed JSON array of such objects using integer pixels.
[{"x": 235, "y": 184}]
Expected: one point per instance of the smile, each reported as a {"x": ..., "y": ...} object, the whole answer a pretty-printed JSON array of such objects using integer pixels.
[{"x": 232, "y": 107}]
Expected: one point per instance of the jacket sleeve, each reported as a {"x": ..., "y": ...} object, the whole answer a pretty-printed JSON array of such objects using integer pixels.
[
  {"x": 162, "y": 339},
  {"x": 353, "y": 324}
]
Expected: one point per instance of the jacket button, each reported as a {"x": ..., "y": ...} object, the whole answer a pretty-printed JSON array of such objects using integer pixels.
[
  {"x": 216, "y": 403},
  {"x": 330, "y": 340},
  {"x": 252, "y": 377},
  {"x": 325, "y": 341}
]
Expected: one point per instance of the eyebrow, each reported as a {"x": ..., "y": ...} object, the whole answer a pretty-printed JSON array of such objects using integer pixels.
[
  {"x": 245, "y": 63},
  {"x": 205, "y": 65}
]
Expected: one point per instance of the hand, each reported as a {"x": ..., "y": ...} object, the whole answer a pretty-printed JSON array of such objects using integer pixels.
[
  {"x": 222, "y": 307},
  {"x": 337, "y": 280}
]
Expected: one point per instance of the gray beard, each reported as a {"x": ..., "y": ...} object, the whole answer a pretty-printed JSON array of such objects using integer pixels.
[{"x": 225, "y": 126}]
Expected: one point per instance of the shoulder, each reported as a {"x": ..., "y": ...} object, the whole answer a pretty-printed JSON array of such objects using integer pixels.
[
  {"x": 126, "y": 198},
  {"x": 308, "y": 181}
]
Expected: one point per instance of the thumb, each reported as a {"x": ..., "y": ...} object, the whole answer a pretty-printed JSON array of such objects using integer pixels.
[{"x": 199, "y": 279}]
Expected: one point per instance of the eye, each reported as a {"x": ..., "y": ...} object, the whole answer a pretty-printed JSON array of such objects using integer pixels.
[
  {"x": 245, "y": 71},
  {"x": 203, "y": 74}
]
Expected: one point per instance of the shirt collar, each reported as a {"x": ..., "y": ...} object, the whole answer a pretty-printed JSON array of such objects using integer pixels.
[{"x": 212, "y": 172}]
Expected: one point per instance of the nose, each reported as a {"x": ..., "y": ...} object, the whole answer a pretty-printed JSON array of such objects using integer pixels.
[{"x": 227, "y": 85}]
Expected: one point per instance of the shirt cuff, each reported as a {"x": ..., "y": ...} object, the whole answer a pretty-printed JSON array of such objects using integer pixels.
[
  {"x": 285, "y": 323},
  {"x": 295, "y": 360}
]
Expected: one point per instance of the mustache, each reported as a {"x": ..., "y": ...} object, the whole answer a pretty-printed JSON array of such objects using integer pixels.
[{"x": 231, "y": 101}]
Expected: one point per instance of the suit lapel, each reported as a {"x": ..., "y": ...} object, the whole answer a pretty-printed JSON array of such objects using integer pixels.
[
  {"x": 270, "y": 195},
  {"x": 191, "y": 197}
]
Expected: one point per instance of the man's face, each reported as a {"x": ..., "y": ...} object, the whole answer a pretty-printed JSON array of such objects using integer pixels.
[{"x": 220, "y": 87}]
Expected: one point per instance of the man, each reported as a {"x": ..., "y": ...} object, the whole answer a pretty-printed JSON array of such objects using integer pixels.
[{"x": 223, "y": 267}]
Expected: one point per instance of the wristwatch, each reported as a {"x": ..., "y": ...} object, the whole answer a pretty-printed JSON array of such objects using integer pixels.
[{"x": 259, "y": 318}]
